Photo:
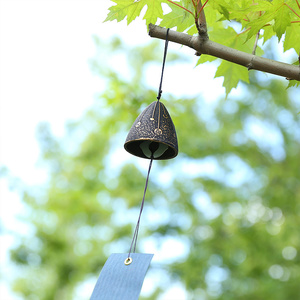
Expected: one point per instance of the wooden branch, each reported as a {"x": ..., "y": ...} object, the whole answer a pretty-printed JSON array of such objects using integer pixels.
[
  {"x": 250, "y": 61},
  {"x": 201, "y": 22}
]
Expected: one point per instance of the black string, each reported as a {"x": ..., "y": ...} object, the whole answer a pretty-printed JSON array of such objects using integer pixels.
[
  {"x": 163, "y": 66},
  {"x": 137, "y": 227},
  {"x": 136, "y": 231}
]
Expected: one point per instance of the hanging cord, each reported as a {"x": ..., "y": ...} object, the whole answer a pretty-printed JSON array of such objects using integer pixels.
[
  {"x": 163, "y": 66},
  {"x": 136, "y": 231}
]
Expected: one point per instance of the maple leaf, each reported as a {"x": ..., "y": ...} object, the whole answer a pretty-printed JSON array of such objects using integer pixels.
[
  {"x": 282, "y": 21},
  {"x": 292, "y": 37},
  {"x": 268, "y": 33},
  {"x": 294, "y": 83},
  {"x": 177, "y": 18},
  {"x": 154, "y": 11},
  {"x": 232, "y": 74},
  {"x": 132, "y": 9},
  {"x": 260, "y": 22},
  {"x": 222, "y": 7},
  {"x": 124, "y": 8}
]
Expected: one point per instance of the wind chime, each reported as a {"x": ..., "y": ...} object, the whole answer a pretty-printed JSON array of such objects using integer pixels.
[{"x": 152, "y": 136}]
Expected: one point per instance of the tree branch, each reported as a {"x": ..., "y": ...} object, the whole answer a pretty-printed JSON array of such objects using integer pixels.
[
  {"x": 201, "y": 21},
  {"x": 209, "y": 47}
]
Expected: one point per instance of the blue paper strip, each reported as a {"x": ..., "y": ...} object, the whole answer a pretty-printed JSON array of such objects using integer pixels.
[{"x": 118, "y": 281}]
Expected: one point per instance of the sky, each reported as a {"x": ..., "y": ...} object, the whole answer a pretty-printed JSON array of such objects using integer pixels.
[{"x": 45, "y": 46}]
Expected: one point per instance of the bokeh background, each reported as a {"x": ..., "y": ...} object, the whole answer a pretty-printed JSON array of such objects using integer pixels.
[{"x": 222, "y": 218}]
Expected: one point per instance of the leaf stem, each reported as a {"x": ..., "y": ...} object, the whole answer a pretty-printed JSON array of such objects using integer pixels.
[
  {"x": 244, "y": 31},
  {"x": 292, "y": 9},
  {"x": 298, "y": 4},
  {"x": 255, "y": 43},
  {"x": 201, "y": 7},
  {"x": 181, "y": 7}
]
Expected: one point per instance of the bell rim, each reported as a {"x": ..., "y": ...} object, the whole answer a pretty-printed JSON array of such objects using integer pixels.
[{"x": 175, "y": 149}]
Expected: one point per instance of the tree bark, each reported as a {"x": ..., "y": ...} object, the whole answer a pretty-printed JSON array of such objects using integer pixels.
[{"x": 250, "y": 61}]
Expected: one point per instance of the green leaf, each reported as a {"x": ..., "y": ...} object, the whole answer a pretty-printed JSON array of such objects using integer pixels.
[
  {"x": 154, "y": 11},
  {"x": 294, "y": 83},
  {"x": 205, "y": 58},
  {"x": 232, "y": 74},
  {"x": 282, "y": 21},
  {"x": 259, "y": 23},
  {"x": 125, "y": 8},
  {"x": 292, "y": 37},
  {"x": 224, "y": 11},
  {"x": 248, "y": 11},
  {"x": 132, "y": 9},
  {"x": 269, "y": 11},
  {"x": 179, "y": 18},
  {"x": 268, "y": 33}
]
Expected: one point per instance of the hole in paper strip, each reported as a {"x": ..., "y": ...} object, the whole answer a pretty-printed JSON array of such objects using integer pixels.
[{"x": 128, "y": 261}]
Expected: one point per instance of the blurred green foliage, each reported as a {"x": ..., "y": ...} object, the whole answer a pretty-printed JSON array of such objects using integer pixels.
[{"x": 231, "y": 198}]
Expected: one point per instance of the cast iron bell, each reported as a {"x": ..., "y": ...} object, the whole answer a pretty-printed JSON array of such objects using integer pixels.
[{"x": 153, "y": 134}]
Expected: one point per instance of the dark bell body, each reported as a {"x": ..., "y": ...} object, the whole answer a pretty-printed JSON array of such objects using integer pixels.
[{"x": 153, "y": 134}]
